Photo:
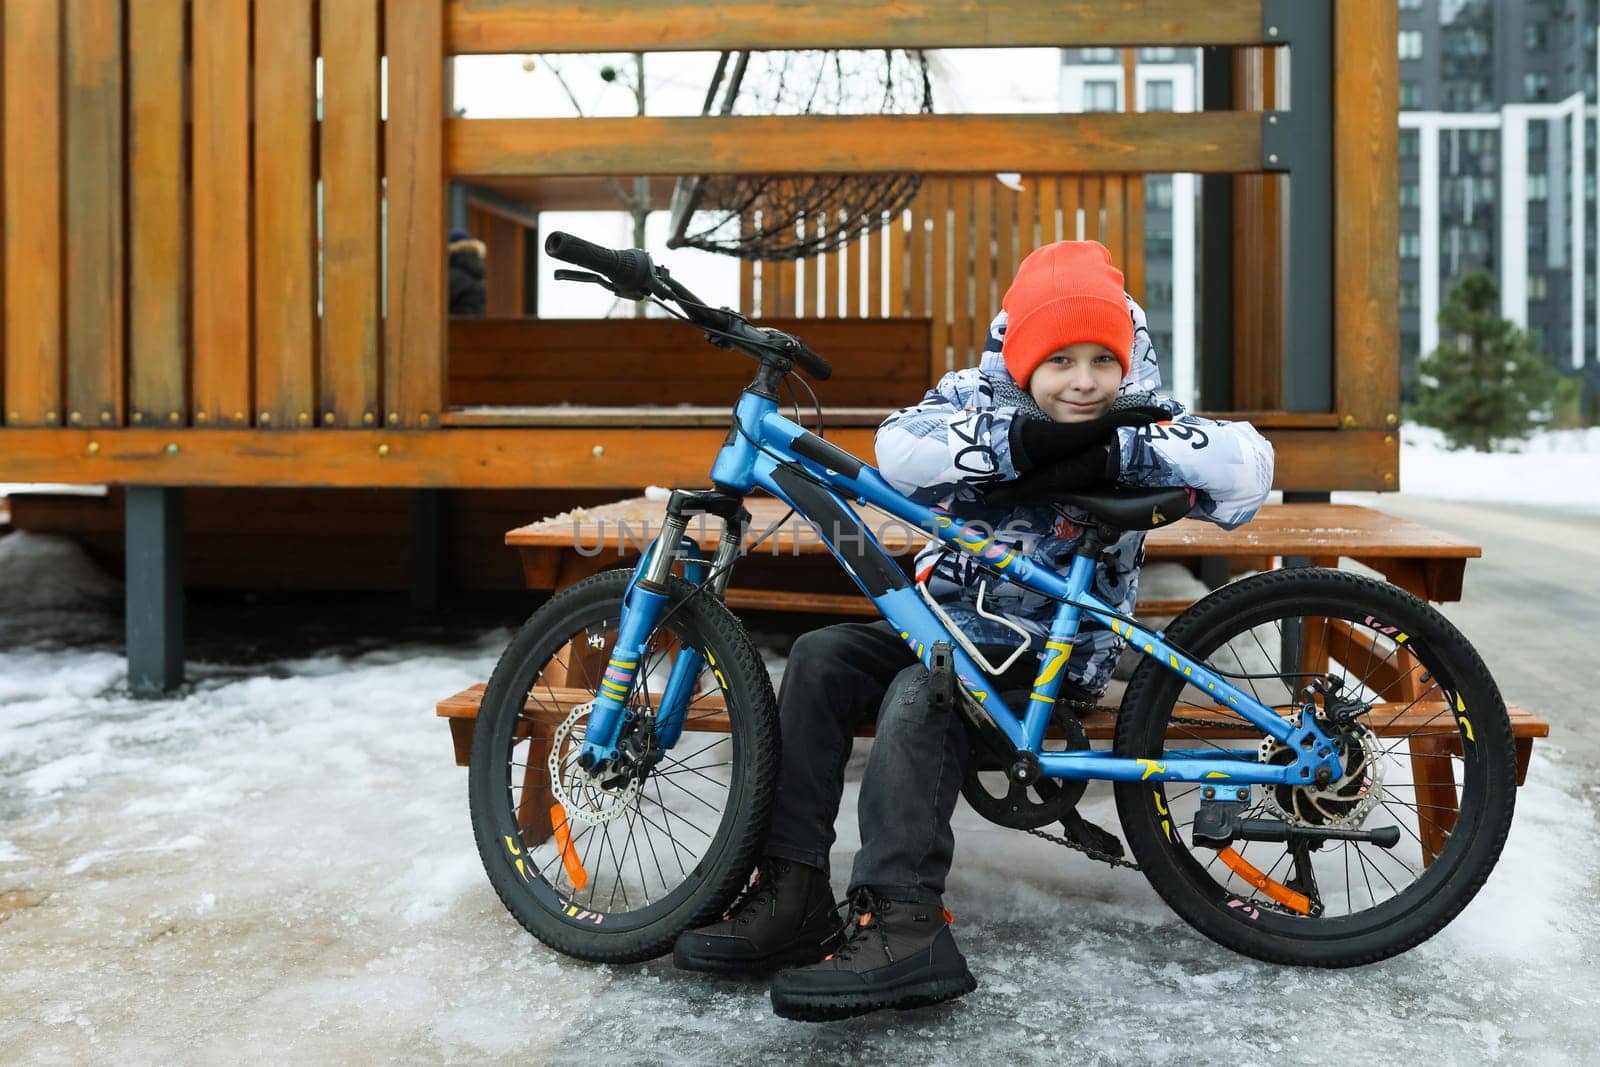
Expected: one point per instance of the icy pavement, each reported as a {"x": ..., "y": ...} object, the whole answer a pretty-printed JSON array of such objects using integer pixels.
[{"x": 277, "y": 865}]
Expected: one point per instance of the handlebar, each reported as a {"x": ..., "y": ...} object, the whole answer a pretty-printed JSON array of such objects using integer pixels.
[{"x": 634, "y": 277}]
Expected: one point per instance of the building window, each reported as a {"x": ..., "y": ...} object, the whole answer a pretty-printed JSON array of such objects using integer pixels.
[
  {"x": 1410, "y": 245},
  {"x": 1534, "y": 36},
  {"x": 1100, "y": 55},
  {"x": 1158, "y": 193},
  {"x": 1410, "y": 295},
  {"x": 1099, "y": 96},
  {"x": 1410, "y": 143},
  {"x": 1410, "y": 96},
  {"x": 1158, "y": 96},
  {"x": 1410, "y": 194},
  {"x": 1158, "y": 55},
  {"x": 1538, "y": 287},
  {"x": 1410, "y": 5},
  {"x": 1536, "y": 85},
  {"x": 1538, "y": 187},
  {"x": 1410, "y": 44},
  {"x": 1538, "y": 136}
]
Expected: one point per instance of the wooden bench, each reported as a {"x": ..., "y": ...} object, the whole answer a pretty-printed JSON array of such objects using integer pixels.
[
  {"x": 564, "y": 549},
  {"x": 1433, "y": 776}
]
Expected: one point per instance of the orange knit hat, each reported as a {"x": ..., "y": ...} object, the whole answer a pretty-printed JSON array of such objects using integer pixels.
[{"x": 1064, "y": 293}]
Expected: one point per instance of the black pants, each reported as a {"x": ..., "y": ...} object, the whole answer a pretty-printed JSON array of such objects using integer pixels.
[{"x": 837, "y": 678}]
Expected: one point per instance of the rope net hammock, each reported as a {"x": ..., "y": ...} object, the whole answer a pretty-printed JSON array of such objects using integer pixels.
[{"x": 795, "y": 215}]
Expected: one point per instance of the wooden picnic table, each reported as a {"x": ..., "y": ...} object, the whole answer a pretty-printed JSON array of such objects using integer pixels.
[{"x": 566, "y": 548}]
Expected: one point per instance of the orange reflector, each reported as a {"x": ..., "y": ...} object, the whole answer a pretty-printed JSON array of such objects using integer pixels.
[
  {"x": 947, "y": 916},
  {"x": 1276, "y": 890},
  {"x": 569, "y": 855}
]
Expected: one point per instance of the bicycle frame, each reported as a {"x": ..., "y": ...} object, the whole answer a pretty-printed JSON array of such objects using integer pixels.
[{"x": 769, "y": 451}]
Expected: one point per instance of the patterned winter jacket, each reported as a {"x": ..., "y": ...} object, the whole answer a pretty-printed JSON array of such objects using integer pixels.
[{"x": 957, "y": 440}]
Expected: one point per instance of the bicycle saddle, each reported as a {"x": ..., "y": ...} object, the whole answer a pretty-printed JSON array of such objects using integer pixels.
[{"x": 1132, "y": 508}]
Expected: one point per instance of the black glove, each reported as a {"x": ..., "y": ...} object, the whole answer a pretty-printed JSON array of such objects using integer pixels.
[
  {"x": 1095, "y": 466},
  {"x": 1039, "y": 442}
]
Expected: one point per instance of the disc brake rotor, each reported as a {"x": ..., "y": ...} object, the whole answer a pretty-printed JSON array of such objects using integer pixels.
[
  {"x": 1343, "y": 803},
  {"x": 585, "y": 800}
]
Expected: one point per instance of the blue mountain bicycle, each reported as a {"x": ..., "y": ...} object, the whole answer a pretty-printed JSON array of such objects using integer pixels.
[{"x": 1310, "y": 767}]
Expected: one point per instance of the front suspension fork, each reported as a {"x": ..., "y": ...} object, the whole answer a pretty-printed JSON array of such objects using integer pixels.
[{"x": 643, "y": 606}]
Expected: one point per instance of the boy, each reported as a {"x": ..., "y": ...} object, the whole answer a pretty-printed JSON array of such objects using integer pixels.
[{"x": 995, "y": 443}]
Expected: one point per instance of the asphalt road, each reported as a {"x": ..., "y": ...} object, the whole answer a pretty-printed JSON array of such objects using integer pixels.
[{"x": 1531, "y": 606}]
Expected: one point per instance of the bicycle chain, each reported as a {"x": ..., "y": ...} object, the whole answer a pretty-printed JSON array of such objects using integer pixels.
[{"x": 1078, "y": 707}]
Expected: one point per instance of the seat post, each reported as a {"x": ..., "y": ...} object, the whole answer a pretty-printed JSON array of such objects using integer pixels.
[{"x": 1096, "y": 539}]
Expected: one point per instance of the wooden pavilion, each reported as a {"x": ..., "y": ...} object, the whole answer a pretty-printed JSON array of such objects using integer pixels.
[{"x": 218, "y": 276}]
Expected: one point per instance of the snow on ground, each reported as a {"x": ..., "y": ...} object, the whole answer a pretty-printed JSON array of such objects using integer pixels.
[
  {"x": 1559, "y": 468},
  {"x": 276, "y": 864}
]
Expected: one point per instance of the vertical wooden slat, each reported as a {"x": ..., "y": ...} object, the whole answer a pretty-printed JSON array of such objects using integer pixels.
[
  {"x": 917, "y": 268},
  {"x": 896, "y": 253},
  {"x": 352, "y": 322},
  {"x": 1115, "y": 190},
  {"x": 413, "y": 349},
  {"x": 784, "y": 291},
  {"x": 1070, "y": 197},
  {"x": 93, "y": 152},
  {"x": 1366, "y": 220},
  {"x": 939, "y": 272},
  {"x": 875, "y": 264},
  {"x": 32, "y": 132},
  {"x": 814, "y": 270},
  {"x": 850, "y": 273},
  {"x": 503, "y": 262},
  {"x": 220, "y": 211},
  {"x": 983, "y": 238},
  {"x": 747, "y": 274},
  {"x": 1049, "y": 209},
  {"x": 1027, "y": 223},
  {"x": 1005, "y": 256},
  {"x": 157, "y": 276},
  {"x": 1133, "y": 243},
  {"x": 961, "y": 272},
  {"x": 285, "y": 215},
  {"x": 1093, "y": 199}
]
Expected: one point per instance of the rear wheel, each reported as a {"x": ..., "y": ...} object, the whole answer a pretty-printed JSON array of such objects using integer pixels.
[
  {"x": 1432, "y": 755},
  {"x": 614, "y": 869}
]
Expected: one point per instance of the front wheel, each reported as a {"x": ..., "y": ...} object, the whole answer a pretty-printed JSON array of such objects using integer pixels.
[
  {"x": 1429, "y": 755},
  {"x": 613, "y": 868}
]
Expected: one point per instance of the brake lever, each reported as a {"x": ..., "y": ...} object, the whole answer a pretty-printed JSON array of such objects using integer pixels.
[{"x": 564, "y": 275}]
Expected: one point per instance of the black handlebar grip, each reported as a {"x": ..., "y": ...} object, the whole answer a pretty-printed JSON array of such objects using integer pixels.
[
  {"x": 570, "y": 249},
  {"x": 813, "y": 364}
]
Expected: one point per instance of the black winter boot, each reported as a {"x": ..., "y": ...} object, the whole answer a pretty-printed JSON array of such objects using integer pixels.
[
  {"x": 785, "y": 917},
  {"x": 895, "y": 954}
]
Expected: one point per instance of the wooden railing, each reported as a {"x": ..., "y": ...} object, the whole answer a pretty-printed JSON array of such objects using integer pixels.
[
  {"x": 195, "y": 300},
  {"x": 165, "y": 165},
  {"x": 951, "y": 255}
]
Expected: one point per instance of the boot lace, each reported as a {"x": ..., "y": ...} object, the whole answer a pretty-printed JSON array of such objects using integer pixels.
[
  {"x": 862, "y": 923},
  {"x": 762, "y": 891}
]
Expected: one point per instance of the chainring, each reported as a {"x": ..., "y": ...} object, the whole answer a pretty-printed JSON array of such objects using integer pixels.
[{"x": 1026, "y": 807}]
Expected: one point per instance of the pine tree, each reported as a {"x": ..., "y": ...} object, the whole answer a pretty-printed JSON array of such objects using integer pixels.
[{"x": 1486, "y": 381}]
